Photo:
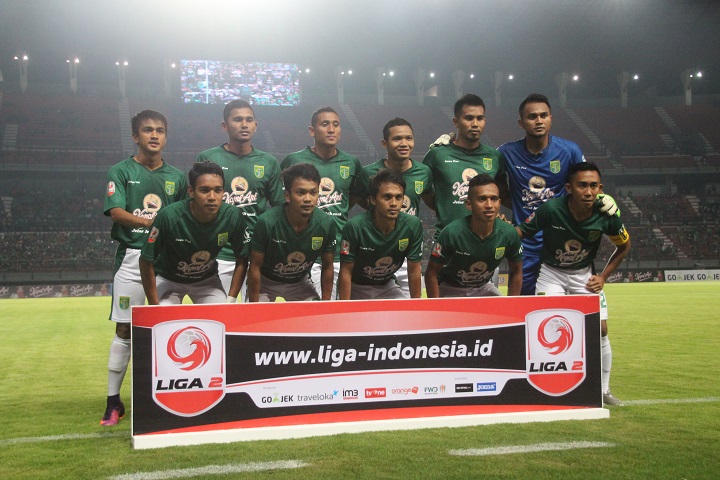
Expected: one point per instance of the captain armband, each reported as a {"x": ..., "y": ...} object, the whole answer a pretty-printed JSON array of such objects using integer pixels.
[{"x": 621, "y": 238}]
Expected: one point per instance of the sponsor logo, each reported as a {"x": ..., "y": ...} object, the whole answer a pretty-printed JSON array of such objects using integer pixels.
[
  {"x": 259, "y": 171},
  {"x": 350, "y": 394},
  {"x": 434, "y": 390},
  {"x": 463, "y": 388},
  {"x": 188, "y": 365},
  {"x": 403, "y": 244},
  {"x": 437, "y": 250},
  {"x": 555, "y": 166},
  {"x": 169, "y": 188},
  {"x": 345, "y": 247},
  {"x": 375, "y": 393},
  {"x": 111, "y": 189},
  {"x": 344, "y": 171},
  {"x": 486, "y": 387},
  {"x": 316, "y": 243},
  {"x": 36, "y": 292},
  {"x": 499, "y": 253},
  {"x": 222, "y": 239},
  {"x": 81, "y": 290},
  {"x": 405, "y": 391},
  {"x": 555, "y": 350},
  {"x": 277, "y": 398},
  {"x": 317, "y": 397},
  {"x": 153, "y": 234}
]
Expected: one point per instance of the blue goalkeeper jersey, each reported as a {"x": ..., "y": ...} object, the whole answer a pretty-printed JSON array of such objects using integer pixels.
[{"x": 534, "y": 179}]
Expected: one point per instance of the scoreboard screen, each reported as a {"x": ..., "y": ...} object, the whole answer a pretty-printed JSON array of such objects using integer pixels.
[{"x": 211, "y": 82}]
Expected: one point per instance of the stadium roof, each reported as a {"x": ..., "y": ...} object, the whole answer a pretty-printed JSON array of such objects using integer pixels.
[{"x": 597, "y": 39}]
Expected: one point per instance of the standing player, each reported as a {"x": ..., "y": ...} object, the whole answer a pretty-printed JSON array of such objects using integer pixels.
[
  {"x": 178, "y": 257},
  {"x": 252, "y": 177},
  {"x": 399, "y": 141},
  {"x": 573, "y": 227},
  {"x": 376, "y": 243},
  {"x": 137, "y": 188},
  {"x": 337, "y": 171},
  {"x": 537, "y": 167},
  {"x": 455, "y": 163},
  {"x": 469, "y": 249},
  {"x": 287, "y": 241}
]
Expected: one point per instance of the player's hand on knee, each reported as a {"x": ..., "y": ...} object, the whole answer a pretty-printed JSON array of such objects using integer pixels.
[
  {"x": 595, "y": 284},
  {"x": 608, "y": 205},
  {"x": 443, "y": 139}
]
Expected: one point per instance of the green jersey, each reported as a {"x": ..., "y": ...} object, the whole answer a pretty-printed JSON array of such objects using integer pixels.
[
  {"x": 289, "y": 255},
  {"x": 470, "y": 261},
  {"x": 418, "y": 180},
  {"x": 252, "y": 184},
  {"x": 142, "y": 192},
  {"x": 567, "y": 243},
  {"x": 184, "y": 250},
  {"x": 337, "y": 177},
  {"x": 452, "y": 168},
  {"x": 378, "y": 256}
]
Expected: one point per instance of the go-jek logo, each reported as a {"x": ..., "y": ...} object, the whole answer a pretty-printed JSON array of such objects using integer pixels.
[
  {"x": 555, "y": 350},
  {"x": 188, "y": 365}
]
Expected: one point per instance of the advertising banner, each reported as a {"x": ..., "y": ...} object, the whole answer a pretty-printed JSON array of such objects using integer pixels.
[{"x": 215, "y": 373}]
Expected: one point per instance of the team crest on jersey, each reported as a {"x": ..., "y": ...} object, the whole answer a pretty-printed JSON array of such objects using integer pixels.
[
  {"x": 594, "y": 235},
  {"x": 124, "y": 303},
  {"x": 555, "y": 166},
  {"x": 403, "y": 244},
  {"x": 344, "y": 171},
  {"x": 169, "y": 188},
  {"x": 259, "y": 171},
  {"x": 499, "y": 253},
  {"x": 487, "y": 163},
  {"x": 153, "y": 234},
  {"x": 345, "y": 247},
  {"x": 317, "y": 243},
  {"x": 222, "y": 239},
  {"x": 111, "y": 188},
  {"x": 419, "y": 186}
]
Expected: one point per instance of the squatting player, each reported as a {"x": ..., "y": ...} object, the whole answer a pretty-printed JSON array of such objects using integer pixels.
[
  {"x": 137, "y": 188},
  {"x": 287, "y": 241},
  {"x": 536, "y": 170},
  {"x": 179, "y": 255},
  {"x": 338, "y": 171},
  {"x": 399, "y": 141},
  {"x": 252, "y": 177},
  {"x": 573, "y": 226},
  {"x": 453, "y": 164},
  {"x": 376, "y": 243},
  {"x": 469, "y": 249}
]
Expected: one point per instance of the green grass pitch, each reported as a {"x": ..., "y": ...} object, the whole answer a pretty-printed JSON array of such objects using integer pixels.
[{"x": 666, "y": 344}]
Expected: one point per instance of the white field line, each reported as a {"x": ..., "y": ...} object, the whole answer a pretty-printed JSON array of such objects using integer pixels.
[
  {"x": 83, "y": 436},
  {"x": 212, "y": 470},
  {"x": 538, "y": 447}
]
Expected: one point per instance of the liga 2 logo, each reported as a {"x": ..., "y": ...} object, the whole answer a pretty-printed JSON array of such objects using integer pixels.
[
  {"x": 188, "y": 366},
  {"x": 555, "y": 361}
]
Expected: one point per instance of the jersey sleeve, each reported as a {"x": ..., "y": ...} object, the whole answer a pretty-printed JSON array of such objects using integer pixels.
[
  {"x": 349, "y": 244},
  {"x": 259, "y": 239},
  {"x": 329, "y": 246},
  {"x": 238, "y": 241},
  {"x": 534, "y": 223},
  {"x": 416, "y": 243},
  {"x": 182, "y": 193},
  {"x": 443, "y": 248},
  {"x": 360, "y": 186},
  {"x": 115, "y": 196},
  {"x": 514, "y": 252},
  {"x": 616, "y": 232},
  {"x": 275, "y": 193},
  {"x": 153, "y": 243}
]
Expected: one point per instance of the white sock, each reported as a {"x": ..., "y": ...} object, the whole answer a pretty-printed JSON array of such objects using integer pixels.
[
  {"x": 118, "y": 363},
  {"x": 606, "y": 356}
]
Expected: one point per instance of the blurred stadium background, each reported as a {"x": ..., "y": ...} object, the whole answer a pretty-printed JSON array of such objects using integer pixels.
[{"x": 635, "y": 83}]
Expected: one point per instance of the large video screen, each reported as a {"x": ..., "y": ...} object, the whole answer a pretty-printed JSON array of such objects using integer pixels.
[{"x": 209, "y": 81}]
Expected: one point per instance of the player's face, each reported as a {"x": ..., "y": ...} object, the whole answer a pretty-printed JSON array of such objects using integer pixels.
[
  {"x": 583, "y": 189},
  {"x": 240, "y": 125},
  {"x": 303, "y": 196},
  {"x": 484, "y": 202},
  {"x": 207, "y": 195},
  {"x": 400, "y": 143},
  {"x": 470, "y": 124},
  {"x": 326, "y": 131},
  {"x": 536, "y": 120},
  {"x": 151, "y": 137},
  {"x": 388, "y": 201}
]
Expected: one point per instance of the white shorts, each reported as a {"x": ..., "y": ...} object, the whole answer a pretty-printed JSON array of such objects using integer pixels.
[
  {"x": 206, "y": 291},
  {"x": 127, "y": 289},
  {"x": 301, "y": 291},
  {"x": 555, "y": 281},
  {"x": 401, "y": 276},
  {"x": 388, "y": 290},
  {"x": 225, "y": 273},
  {"x": 487, "y": 290},
  {"x": 315, "y": 278}
]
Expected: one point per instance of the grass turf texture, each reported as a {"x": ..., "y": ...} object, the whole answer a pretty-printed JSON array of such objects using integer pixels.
[{"x": 665, "y": 339}]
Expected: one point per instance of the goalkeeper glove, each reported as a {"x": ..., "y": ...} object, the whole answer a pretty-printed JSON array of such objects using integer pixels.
[
  {"x": 443, "y": 139},
  {"x": 608, "y": 205}
]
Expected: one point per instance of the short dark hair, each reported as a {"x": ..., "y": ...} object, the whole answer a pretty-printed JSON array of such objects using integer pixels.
[
  {"x": 204, "y": 168},
  {"x": 316, "y": 114},
  {"x": 480, "y": 180},
  {"x": 395, "y": 122},
  {"x": 469, "y": 99},
  {"x": 233, "y": 105},
  {"x": 146, "y": 115},
  {"x": 385, "y": 175},
  {"x": 534, "y": 98},
  {"x": 305, "y": 171},
  {"x": 582, "y": 167}
]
